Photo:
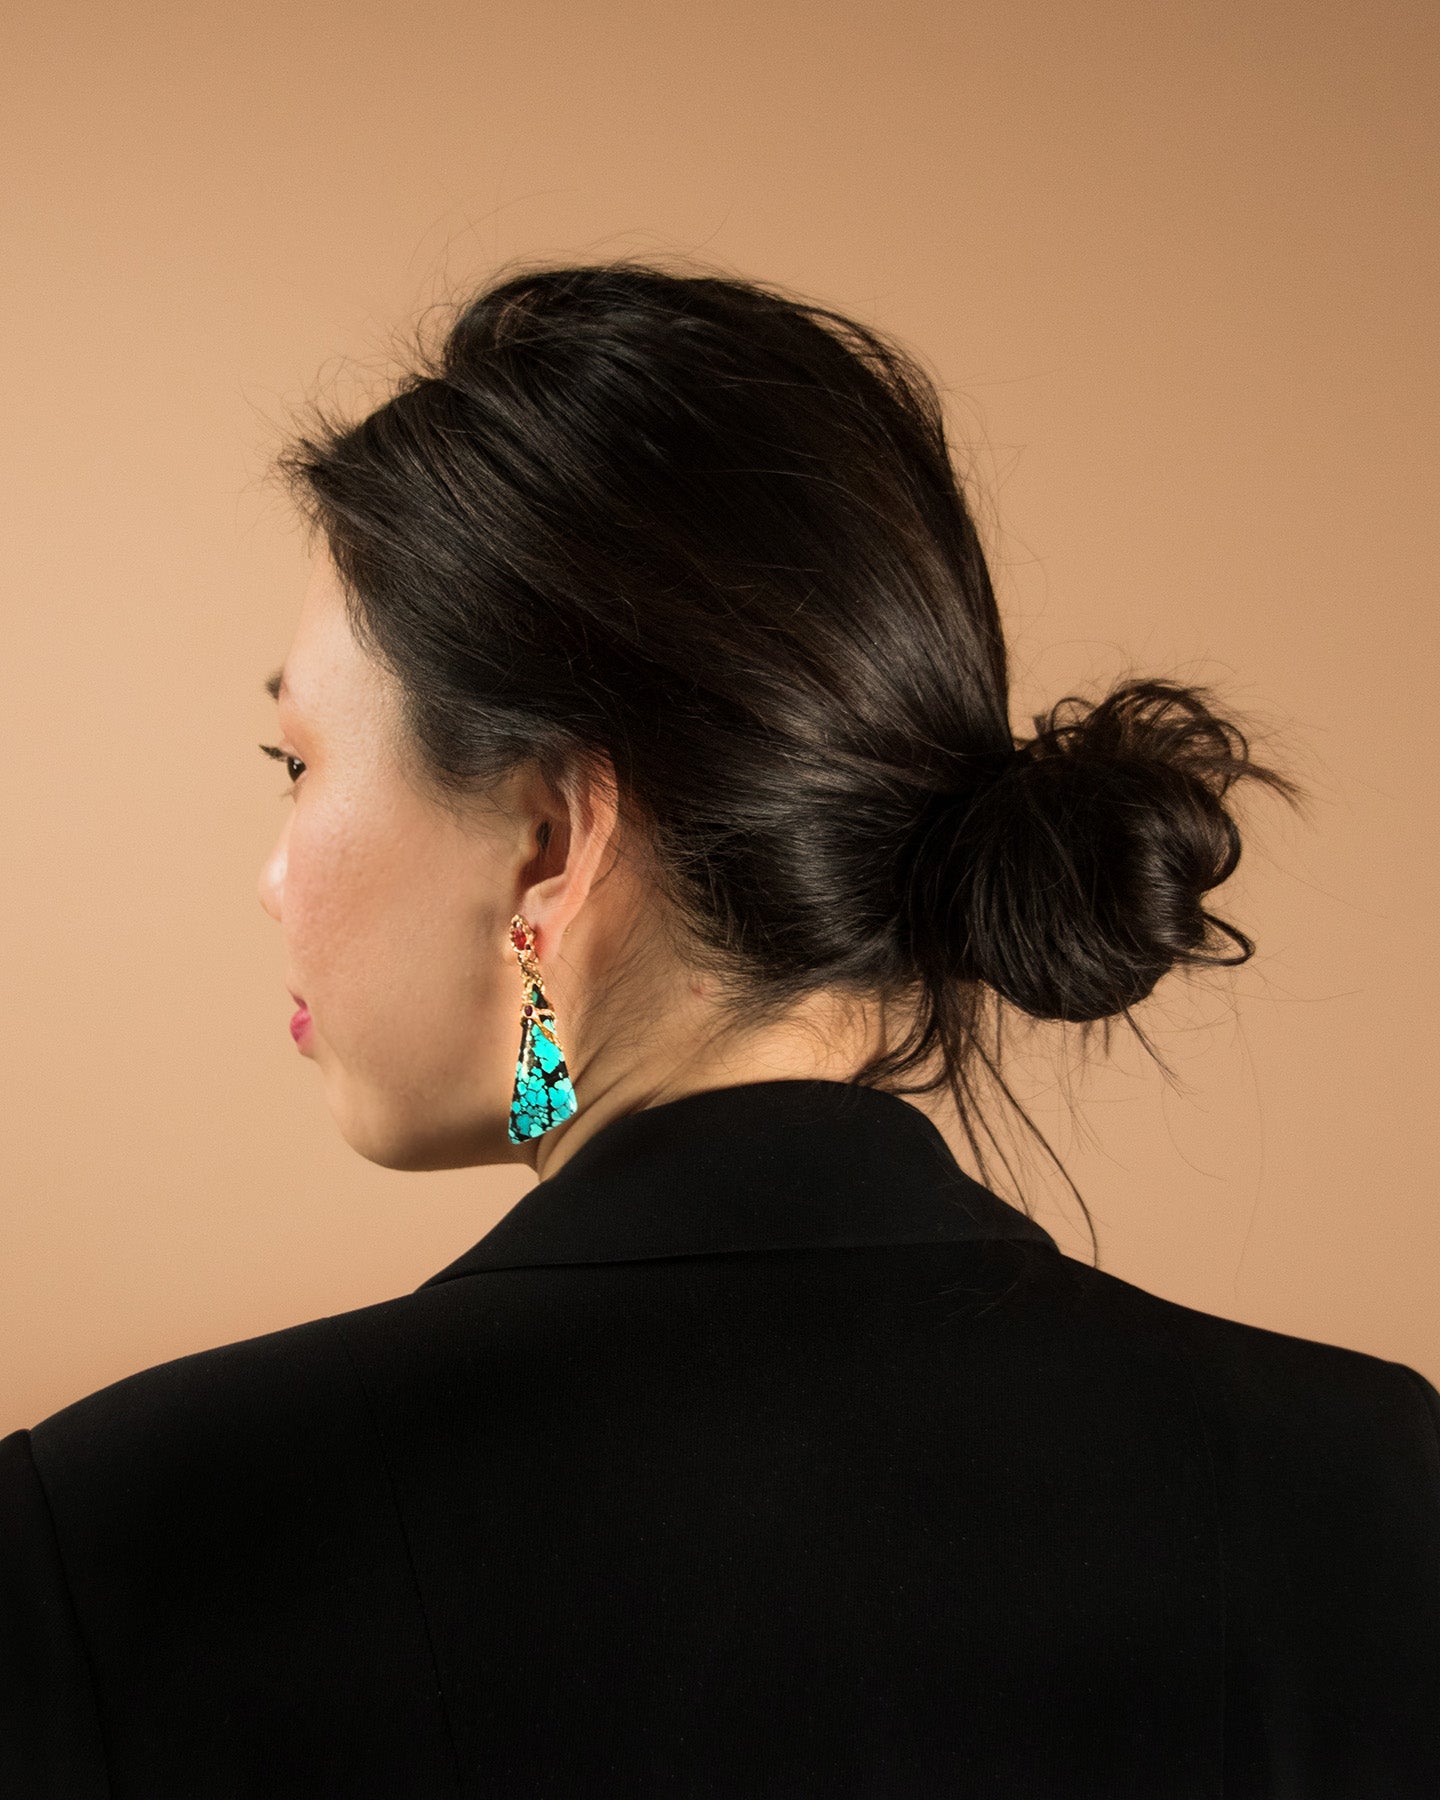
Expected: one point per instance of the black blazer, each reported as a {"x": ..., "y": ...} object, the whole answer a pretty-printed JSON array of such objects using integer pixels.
[{"x": 756, "y": 1452}]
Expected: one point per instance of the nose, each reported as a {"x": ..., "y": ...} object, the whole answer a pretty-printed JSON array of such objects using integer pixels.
[{"x": 271, "y": 885}]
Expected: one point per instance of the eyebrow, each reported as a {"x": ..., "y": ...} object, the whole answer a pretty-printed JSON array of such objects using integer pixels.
[{"x": 275, "y": 684}]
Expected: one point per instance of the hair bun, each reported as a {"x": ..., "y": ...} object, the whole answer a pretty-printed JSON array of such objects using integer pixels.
[{"x": 1071, "y": 878}]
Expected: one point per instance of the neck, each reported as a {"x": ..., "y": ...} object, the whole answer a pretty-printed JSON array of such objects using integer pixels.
[{"x": 827, "y": 1037}]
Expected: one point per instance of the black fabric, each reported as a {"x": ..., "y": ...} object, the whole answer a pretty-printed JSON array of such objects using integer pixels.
[
  {"x": 756, "y": 1452},
  {"x": 48, "y": 1725}
]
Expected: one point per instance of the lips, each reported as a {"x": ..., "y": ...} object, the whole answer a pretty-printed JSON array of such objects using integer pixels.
[{"x": 300, "y": 1022}]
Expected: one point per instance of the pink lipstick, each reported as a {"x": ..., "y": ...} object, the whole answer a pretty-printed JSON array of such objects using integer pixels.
[{"x": 300, "y": 1025}]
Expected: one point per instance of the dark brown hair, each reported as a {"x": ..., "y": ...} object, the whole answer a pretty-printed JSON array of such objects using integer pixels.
[{"x": 712, "y": 532}]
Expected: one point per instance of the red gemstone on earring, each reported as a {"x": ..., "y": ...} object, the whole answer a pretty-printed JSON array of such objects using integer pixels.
[
  {"x": 528, "y": 1010},
  {"x": 518, "y": 938}
]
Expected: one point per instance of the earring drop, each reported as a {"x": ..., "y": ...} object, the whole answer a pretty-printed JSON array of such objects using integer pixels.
[{"x": 544, "y": 1095}]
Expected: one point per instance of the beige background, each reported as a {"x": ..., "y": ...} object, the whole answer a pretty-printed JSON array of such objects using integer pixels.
[{"x": 1176, "y": 267}]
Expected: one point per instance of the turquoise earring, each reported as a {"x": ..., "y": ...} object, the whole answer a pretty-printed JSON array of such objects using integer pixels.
[{"x": 544, "y": 1095}]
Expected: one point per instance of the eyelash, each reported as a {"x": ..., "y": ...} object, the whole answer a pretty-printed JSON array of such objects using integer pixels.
[{"x": 285, "y": 757}]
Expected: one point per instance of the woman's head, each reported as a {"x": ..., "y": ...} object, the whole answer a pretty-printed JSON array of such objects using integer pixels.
[{"x": 681, "y": 562}]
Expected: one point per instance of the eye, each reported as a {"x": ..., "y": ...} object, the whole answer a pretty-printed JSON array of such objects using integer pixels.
[{"x": 291, "y": 762}]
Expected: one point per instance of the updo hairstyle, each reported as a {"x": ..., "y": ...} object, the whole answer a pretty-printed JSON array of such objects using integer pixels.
[{"x": 712, "y": 533}]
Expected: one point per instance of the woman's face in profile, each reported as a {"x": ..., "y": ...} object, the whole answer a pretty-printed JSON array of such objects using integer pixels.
[{"x": 394, "y": 915}]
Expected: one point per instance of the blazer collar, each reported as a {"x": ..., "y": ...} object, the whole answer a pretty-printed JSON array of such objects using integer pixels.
[{"x": 766, "y": 1165}]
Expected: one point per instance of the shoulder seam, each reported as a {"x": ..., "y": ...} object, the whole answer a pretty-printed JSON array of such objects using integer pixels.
[
  {"x": 1182, "y": 1356},
  {"x": 80, "y": 1639},
  {"x": 334, "y": 1322}
]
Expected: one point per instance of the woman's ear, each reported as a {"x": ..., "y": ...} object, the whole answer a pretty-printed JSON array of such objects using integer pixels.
[{"x": 571, "y": 830}]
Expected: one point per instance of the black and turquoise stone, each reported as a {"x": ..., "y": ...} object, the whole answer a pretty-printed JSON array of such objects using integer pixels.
[{"x": 544, "y": 1095}]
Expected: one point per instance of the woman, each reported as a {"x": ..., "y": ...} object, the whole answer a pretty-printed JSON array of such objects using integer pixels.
[{"x": 649, "y": 706}]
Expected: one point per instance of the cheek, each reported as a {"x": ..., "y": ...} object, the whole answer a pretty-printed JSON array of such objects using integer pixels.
[
  {"x": 331, "y": 889},
  {"x": 386, "y": 942}
]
